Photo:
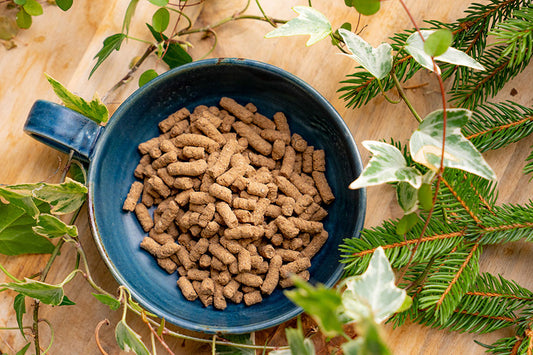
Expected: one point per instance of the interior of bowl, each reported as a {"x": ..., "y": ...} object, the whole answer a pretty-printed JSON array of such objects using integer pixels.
[{"x": 118, "y": 234}]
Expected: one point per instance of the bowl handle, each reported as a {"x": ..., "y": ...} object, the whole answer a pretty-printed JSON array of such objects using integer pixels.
[{"x": 63, "y": 129}]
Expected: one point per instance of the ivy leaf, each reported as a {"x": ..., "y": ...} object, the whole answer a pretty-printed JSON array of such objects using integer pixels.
[
  {"x": 160, "y": 19},
  {"x": 19, "y": 305},
  {"x": 386, "y": 165},
  {"x": 319, "y": 302},
  {"x": 370, "y": 343},
  {"x": 46, "y": 293},
  {"x": 415, "y": 47},
  {"x": 52, "y": 227},
  {"x": 309, "y": 22},
  {"x": 407, "y": 197},
  {"x": 95, "y": 109},
  {"x": 373, "y": 294},
  {"x": 378, "y": 61},
  {"x": 406, "y": 223},
  {"x": 130, "y": 11},
  {"x": 23, "y": 350},
  {"x": 77, "y": 172},
  {"x": 232, "y": 350},
  {"x": 366, "y": 7},
  {"x": 425, "y": 196},
  {"x": 175, "y": 55},
  {"x": 67, "y": 302},
  {"x": 112, "y": 302},
  {"x": 128, "y": 340},
  {"x": 16, "y": 234},
  {"x": 23, "y": 19},
  {"x": 22, "y": 201},
  {"x": 33, "y": 8},
  {"x": 8, "y": 28},
  {"x": 19, "y": 2},
  {"x": 147, "y": 76},
  {"x": 64, "y": 4},
  {"x": 111, "y": 43},
  {"x": 426, "y": 144},
  {"x": 159, "y": 3},
  {"x": 438, "y": 42}
]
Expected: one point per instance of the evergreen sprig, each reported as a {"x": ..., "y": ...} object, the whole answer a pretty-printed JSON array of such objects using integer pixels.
[{"x": 528, "y": 168}]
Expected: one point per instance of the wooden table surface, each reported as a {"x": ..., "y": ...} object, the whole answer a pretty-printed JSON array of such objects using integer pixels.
[{"x": 64, "y": 44}]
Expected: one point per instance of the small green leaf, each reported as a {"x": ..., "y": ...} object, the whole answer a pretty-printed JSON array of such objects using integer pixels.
[
  {"x": 20, "y": 2},
  {"x": 319, "y": 302},
  {"x": 33, "y": 8},
  {"x": 52, "y": 227},
  {"x": 46, "y": 293},
  {"x": 406, "y": 223},
  {"x": 415, "y": 47},
  {"x": 128, "y": 340},
  {"x": 425, "y": 197},
  {"x": 373, "y": 294},
  {"x": 112, "y": 302},
  {"x": 130, "y": 11},
  {"x": 8, "y": 28},
  {"x": 77, "y": 172},
  {"x": 309, "y": 22},
  {"x": 426, "y": 144},
  {"x": 159, "y": 3},
  {"x": 147, "y": 76},
  {"x": 20, "y": 308},
  {"x": 233, "y": 350},
  {"x": 23, "y": 350},
  {"x": 366, "y": 7},
  {"x": 138, "y": 308},
  {"x": 22, "y": 201},
  {"x": 23, "y": 19},
  {"x": 64, "y": 4},
  {"x": 175, "y": 54},
  {"x": 161, "y": 327},
  {"x": 348, "y": 3},
  {"x": 378, "y": 61},
  {"x": 111, "y": 43},
  {"x": 67, "y": 302},
  {"x": 407, "y": 197},
  {"x": 407, "y": 303},
  {"x": 438, "y": 42},
  {"x": 160, "y": 19},
  {"x": 95, "y": 109},
  {"x": 386, "y": 165}
]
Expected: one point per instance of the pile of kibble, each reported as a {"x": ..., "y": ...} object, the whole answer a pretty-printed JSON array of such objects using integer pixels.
[{"x": 238, "y": 198}]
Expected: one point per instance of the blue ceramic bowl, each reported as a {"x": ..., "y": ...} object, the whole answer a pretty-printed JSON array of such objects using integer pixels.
[{"x": 113, "y": 156}]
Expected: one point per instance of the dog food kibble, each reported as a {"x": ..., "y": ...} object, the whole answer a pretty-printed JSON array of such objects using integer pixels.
[{"x": 238, "y": 202}]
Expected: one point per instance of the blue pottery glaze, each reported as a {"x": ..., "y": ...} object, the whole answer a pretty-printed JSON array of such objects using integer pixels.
[{"x": 115, "y": 156}]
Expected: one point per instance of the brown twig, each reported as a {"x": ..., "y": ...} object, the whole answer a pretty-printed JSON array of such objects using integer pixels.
[{"x": 97, "y": 336}]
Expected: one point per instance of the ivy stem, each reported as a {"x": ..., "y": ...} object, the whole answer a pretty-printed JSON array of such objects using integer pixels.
[
  {"x": 8, "y": 274},
  {"x": 385, "y": 95},
  {"x": 138, "y": 39},
  {"x": 401, "y": 92},
  {"x": 264, "y": 14}
]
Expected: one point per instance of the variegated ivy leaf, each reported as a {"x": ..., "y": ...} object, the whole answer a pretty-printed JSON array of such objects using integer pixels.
[
  {"x": 378, "y": 61},
  {"x": 387, "y": 165},
  {"x": 309, "y": 22},
  {"x": 373, "y": 294},
  {"x": 128, "y": 340},
  {"x": 407, "y": 197},
  {"x": 426, "y": 144},
  {"x": 415, "y": 47}
]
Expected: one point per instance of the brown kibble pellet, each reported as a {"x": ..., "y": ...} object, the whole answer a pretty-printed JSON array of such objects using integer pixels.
[
  {"x": 263, "y": 121},
  {"x": 244, "y": 204},
  {"x": 286, "y": 227},
  {"x": 302, "y": 185},
  {"x": 193, "y": 152},
  {"x": 224, "y": 159},
  {"x": 254, "y": 139},
  {"x": 227, "y": 121},
  {"x": 289, "y": 282},
  {"x": 221, "y": 253},
  {"x": 183, "y": 183},
  {"x": 199, "y": 249},
  {"x": 277, "y": 239},
  {"x": 307, "y": 160},
  {"x": 272, "y": 276},
  {"x": 150, "y": 245},
  {"x": 261, "y": 161},
  {"x": 204, "y": 261},
  {"x": 167, "y": 250},
  {"x": 133, "y": 196},
  {"x": 207, "y": 215},
  {"x": 224, "y": 277},
  {"x": 161, "y": 238},
  {"x": 319, "y": 160},
  {"x": 209, "y": 129},
  {"x": 219, "y": 301},
  {"x": 301, "y": 205},
  {"x": 288, "y": 255},
  {"x": 167, "y": 217},
  {"x": 288, "y": 187},
  {"x": 273, "y": 211},
  {"x": 210, "y": 230},
  {"x": 184, "y": 258},
  {"x": 273, "y": 135},
  {"x": 296, "y": 244},
  {"x": 244, "y": 231},
  {"x": 319, "y": 215},
  {"x": 307, "y": 226},
  {"x": 316, "y": 243},
  {"x": 143, "y": 216},
  {"x": 198, "y": 275},
  {"x": 267, "y": 251},
  {"x": 231, "y": 288},
  {"x": 145, "y": 147},
  {"x": 200, "y": 198},
  {"x": 323, "y": 187},
  {"x": 174, "y": 118},
  {"x": 244, "y": 261},
  {"x": 249, "y": 279},
  {"x": 252, "y": 298},
  {"x": 278, "y": 149},
  {"x": 237, "y": 297},
  {"x": 295, "y": 267},
  {"x": 243, "y": 216},
  {"x": 159, "y": 186},
  {"x": 281, "y": 124},
  {"x": 187, "y": 289},
  {"x": 167, "y": 264},
  {"x": 251, "y": 107},
  {"x": 166, "y": 177},
  {"x": 165, "y": 159},
  {"x": 257, "y": 189},
  {"x": 196, "y": 140},
  {"x": 221, "y": 192},
  {"x": 227, "y": 214},
  {"x": 236, "y": 109},
  {"x": 193, "y": 168},
  {"x": 298, "y": 143},
  {"x": 179, "y": 128}
]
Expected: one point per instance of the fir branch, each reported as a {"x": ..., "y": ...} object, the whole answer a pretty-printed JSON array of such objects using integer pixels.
[
  {"x": 496, "y": 125},
  {"x": 528, "y": 168},
  {"x": 509, "y": 346},
  {"x": 451, "y": 278},
  {"x": 507, "y": 223}
]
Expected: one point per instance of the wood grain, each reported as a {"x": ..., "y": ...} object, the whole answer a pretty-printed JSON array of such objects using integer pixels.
[{"x": 64, "y": 44}]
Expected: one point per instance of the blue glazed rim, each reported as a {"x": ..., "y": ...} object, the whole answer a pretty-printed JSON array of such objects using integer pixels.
[{"x": 125, "y": 106}]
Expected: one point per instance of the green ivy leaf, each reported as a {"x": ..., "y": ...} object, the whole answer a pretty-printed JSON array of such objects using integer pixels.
[
  {"x": 425, "y": 197},
  {"x": 112, "y": 302},
  {"x": 67, "y": 302},
  {"x": 128, "y": 340},
  {"x": 309, "y": 22},
  {"x": 23, "y": 350},
  {"x": 406, "y": 223},
  {"x": 426, "y": 144},
  {"x": 407, "y": 197},
  {"x": 373, "y": 294},
  {"x": 111, "y": 43},
  {"x": 147, "y": 76},
  {"x": 95, "y": 109},
  {"x": 175, "y": 54},
  {"x": 366, "y": 7},
  {"x": 16, "y": 234},
  {"x": 52, "y": 227},
  {"x": 233, "y": 350},
  {"x": 64, "y": 4},
  {"x": 415, "y": 47},
  {"x": 20, "y": 2},
  {"x": 319, "y": 302},
  {"x": 438, "y": 42},
  {"x": 8, "y": 28},
  {"x": 130, "y": 11},
  {"x": 46, "y": 293},
  {"x": 159, "y": 3},
  {"x": 386, "y": 165},
  {"x": 22, "y": 201},
  {"x": 160, "y": 19},
  {"x": 23, "y": 19},
  {"x": 378, "y": 61},
  {"x": 77, "y": 172},
  {"x": 33, "y": 8},
  {"x": 19, "y": 305}
]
